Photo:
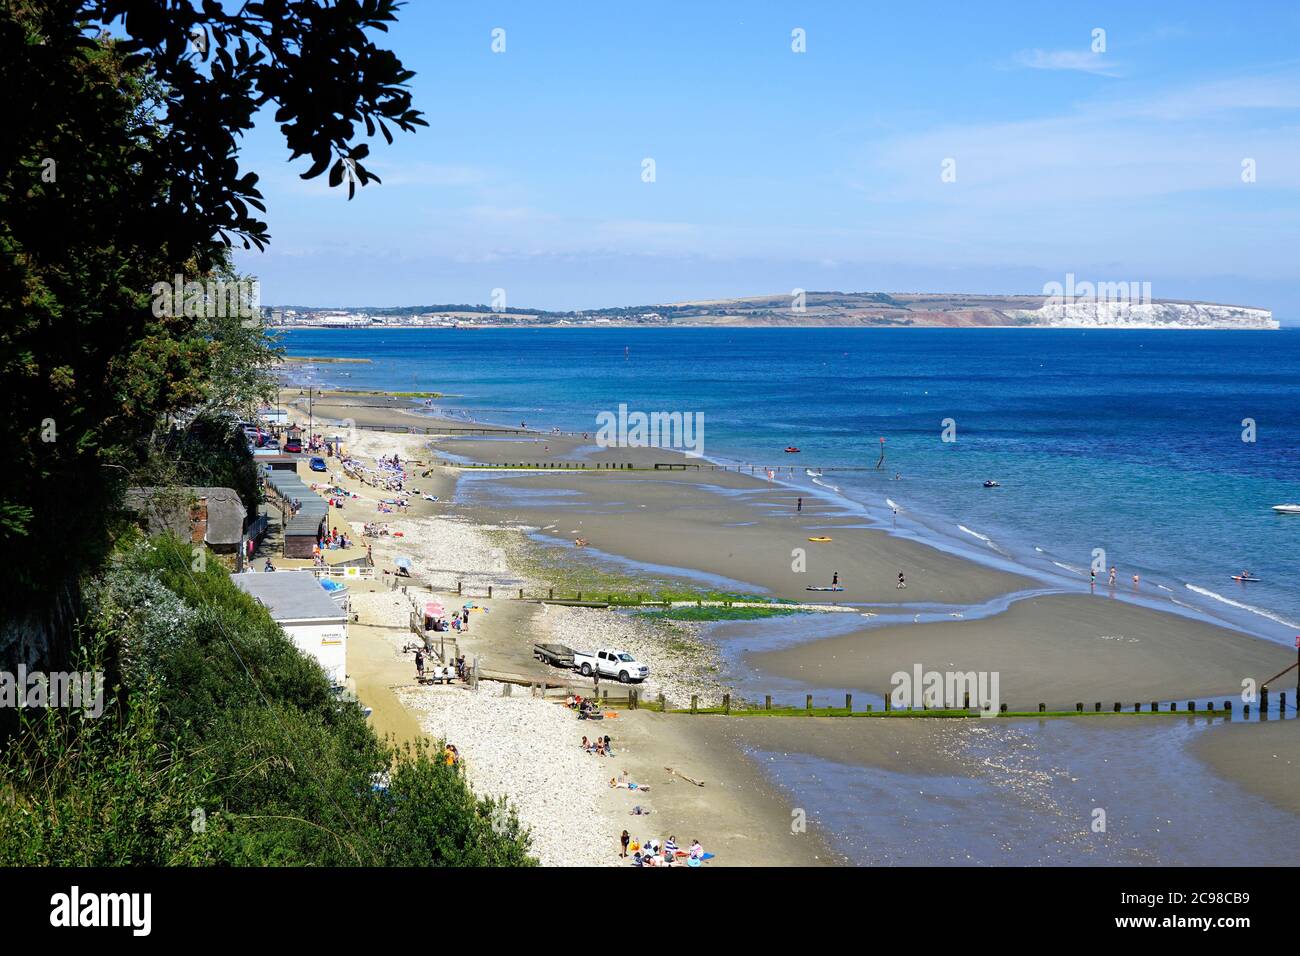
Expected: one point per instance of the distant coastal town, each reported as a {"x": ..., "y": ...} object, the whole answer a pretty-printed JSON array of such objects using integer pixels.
[{"x": 1120, "y": 305}]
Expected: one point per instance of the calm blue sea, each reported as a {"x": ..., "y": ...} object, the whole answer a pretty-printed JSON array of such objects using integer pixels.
[{"x": 1129, "y": 441}]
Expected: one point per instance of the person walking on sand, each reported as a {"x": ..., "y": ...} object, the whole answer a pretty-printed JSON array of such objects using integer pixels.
[
  {"x": 798, "y": 506},
  {"x": 625, "y": 839},
  {"x": 419, "y": 665},
  {"x": 1092, "y": 579},
  {"x": 835, "y": 579},
  {"x": 901, "y": 582}
]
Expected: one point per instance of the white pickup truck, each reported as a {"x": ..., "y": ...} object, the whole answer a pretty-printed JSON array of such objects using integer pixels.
[{"x": 609, "y": 663}]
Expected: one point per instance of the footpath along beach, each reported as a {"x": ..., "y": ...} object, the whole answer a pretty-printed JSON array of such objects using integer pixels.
[{"x": 719, "y": 531}]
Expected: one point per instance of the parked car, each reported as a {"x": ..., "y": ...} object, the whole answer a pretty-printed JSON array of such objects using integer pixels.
[
  {"x": 293, "y": 446},
  {"x": 611, "y": 663},
  {"x": 317, "y": 464}
]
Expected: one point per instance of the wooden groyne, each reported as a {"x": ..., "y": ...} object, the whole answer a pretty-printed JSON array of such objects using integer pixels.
[{"x": 1211, "y": 708}]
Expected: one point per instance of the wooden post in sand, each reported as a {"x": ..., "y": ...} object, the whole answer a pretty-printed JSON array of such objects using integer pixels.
[
  {"x": 1117, "y": 707},
  {"x": 1191, "y": 706},
  {"x": 1096, "y": 706},
  {"x": 1281, "y": 702},
  {"x": 489, "y": 590},
  {"x": 965, "y": 701},
  {"x": 1227, "y": 705},
  {"x": 458, "y": 584},
  {"x": 848, "y": 703},
  {"x": 521, "y": 594},
  {"x": 767, "y": 702},
  {"x": 1263, "y": 700},
  {"x": 694, "y": 702},
  {"x": 1041, "y": 707},
  {"x": 807, "y": 703},
  {"x": 1078, "y": 708},
  {"x": 726, "y": 703}
]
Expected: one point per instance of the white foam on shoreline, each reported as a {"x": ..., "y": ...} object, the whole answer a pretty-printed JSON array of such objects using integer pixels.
[
  {"x": 975, "y": 534},
  {"x": 1206, "y": 592}
]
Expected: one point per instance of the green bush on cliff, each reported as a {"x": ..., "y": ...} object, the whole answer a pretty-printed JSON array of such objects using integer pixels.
[{"x": 229, "y": 748}]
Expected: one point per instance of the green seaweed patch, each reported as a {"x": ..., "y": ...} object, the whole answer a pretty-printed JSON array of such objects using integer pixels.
[{"x": 716, "y": 613}]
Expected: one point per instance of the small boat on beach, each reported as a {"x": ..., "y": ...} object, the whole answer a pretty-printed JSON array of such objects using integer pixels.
[{"x": 1287, "y": 509}]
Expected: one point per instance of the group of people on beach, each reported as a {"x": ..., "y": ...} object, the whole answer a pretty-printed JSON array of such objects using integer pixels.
[
  {"x": 331, "y": 538},
  {"x": 601, "y": 746},
  {"x": 446, "y": 672},
  {"x": 1111, "y": 577},
  {"x": 652, "y": 853},
  {"x": 587, "y": 708}
]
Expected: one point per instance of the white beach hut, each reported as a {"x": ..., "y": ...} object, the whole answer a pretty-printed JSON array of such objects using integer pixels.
[{"x": 310, "y": 617}]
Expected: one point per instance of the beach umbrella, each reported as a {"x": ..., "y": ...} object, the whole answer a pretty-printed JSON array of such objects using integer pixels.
[
  {"x": 434, "y": 609},
  {"x": 403, "y": 563}
]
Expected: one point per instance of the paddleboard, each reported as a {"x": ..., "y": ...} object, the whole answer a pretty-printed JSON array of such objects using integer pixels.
[
  {"x": 823, "y": 589},
  {"x": 819, "y": 539},
  {"x": 1238, "y": 577}
]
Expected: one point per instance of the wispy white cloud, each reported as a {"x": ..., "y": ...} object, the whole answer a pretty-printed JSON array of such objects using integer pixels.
[{"x": 1080, "y": 61}]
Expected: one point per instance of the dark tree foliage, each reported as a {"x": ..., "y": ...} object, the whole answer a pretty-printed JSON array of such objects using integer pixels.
[{"x": 119, "y": 170}]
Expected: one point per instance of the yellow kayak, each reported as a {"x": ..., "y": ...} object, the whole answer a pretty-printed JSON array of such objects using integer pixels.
[{"x": 819, "y": 540}]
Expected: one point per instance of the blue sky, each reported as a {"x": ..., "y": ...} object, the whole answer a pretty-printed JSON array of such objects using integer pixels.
[{"x": 777, "y": 170}]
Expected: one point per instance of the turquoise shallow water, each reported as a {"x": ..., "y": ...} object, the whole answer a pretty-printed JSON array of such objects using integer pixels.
[{"x": 1127, "y": 441}]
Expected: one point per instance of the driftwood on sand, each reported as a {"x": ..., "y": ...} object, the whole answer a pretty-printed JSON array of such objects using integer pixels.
[{"x": 678, "y": 773}]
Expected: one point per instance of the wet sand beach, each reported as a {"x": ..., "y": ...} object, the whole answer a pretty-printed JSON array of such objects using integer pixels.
[
  {"x": 700, "y": 527},
  {"x": 1059, "y": 649}
]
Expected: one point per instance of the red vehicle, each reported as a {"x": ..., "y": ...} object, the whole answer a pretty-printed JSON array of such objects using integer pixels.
[{"x": 293, "y": 446}]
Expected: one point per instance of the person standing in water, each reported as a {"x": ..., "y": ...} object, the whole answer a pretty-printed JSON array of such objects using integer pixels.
[
  {"x": 835, "y": 579},
  {"x": 1111, "y": 582},
  {"x": 901, "y": 583}
]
